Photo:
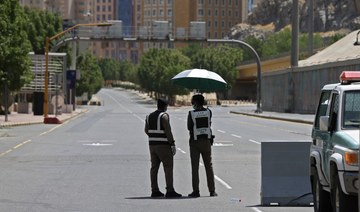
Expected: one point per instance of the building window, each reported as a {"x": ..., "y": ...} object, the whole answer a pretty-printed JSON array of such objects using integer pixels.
[
  {"x": 161, "y": 12},
  {"x": 109, "y": 8},
  {"x": 216, "y": 24},
  {"x": 98, "y": 8},
  {"x": 236, "y": 2},
  {"x": 236, "y": 13},
  {"x": 200, "y": 12},
  {"x": 223, "y": 2},
  {"x": 169, "y": 12},
  {"x": 216, "y": 12},
  {"x": 200, "y": 1},
  {"x": 209, "y": 23},
  {"x": 230, "y": 13},
  {"x": 98, "y": 17},
  {"x": 223, "y": 24},
  {"x": 216, "y": 2},
  {"x": 223, "y": 13},
  {"x": 104, "y": 17},
  {"x": 109, "y": 17},
  {"x": 230, "y": 2},
  {"x": 230, "y": 24},
  {"x": 161, "y": 2},
  {"x": 209, "y": 12},
  {"x": 104, "y": 8},
  {"x": 104, "y": 1},
  {"x": 209, "y": 2},
  {"x": 170, "y": 1},
  {"x": 154, "y": 12}
]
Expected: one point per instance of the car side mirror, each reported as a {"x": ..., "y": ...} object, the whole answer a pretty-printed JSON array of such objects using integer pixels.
[{"x": 324, "y": 123}]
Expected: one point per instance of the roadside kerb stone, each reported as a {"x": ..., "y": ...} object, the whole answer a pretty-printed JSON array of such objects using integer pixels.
[{"x": 276, "y": 117}]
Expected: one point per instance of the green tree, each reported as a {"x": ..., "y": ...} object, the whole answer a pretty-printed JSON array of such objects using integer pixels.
[
  {"x": 91, "y": 79},
  {"x": 221, "y": 59},
  {"x": 277, "y": 43},
  {"x": 41, "y": 24},
  {"x": 156, "y": 69},
  {"x": 14, "y": 46},
  {"x": 109, "y": 68},
  {"x": 256, "y": 44},
  {"x": 127, "y": 72}
]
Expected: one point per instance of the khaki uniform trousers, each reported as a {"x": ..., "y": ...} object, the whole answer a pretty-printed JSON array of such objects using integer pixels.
[
  {"x": 201, "y": 147},
  {"x": 161, "y": 154}
]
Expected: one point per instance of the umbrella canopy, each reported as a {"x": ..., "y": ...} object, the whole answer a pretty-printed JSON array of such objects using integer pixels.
[{"x": 200, "y": 79}]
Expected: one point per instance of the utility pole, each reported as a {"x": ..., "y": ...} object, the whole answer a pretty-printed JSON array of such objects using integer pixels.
[
  {"x": 294, "y": 53},
  {"x": 311, "y": 27}
]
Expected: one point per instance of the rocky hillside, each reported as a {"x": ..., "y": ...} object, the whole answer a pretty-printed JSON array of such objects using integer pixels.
[{"x": 274, "y": 15}]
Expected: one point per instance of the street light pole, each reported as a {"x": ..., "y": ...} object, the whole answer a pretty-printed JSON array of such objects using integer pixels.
[
  {"x": 258, "y": 83},
  {"x": 47, "y": 41}
]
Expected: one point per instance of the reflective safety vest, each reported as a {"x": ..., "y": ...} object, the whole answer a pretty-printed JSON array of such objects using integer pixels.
[
  {"x": 201, "y": 120},
  {"x": 156, "y": 131}
]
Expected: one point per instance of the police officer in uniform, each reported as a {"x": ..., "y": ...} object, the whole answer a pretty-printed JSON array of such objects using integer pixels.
[
  {"x": 199, "y": 126},
  {"x": 162, "y": 149}
]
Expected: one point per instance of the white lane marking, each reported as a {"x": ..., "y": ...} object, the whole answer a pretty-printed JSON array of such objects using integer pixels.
[
  {"x": 220, "y": 180},
  {"x": 128, "y": 110},
  {"x": 182, "y": 151},
  {"x": 237, "y": 136},
  {"x": 97, "y": 144},
  {"x": 256, "y": 142},
  {"x": 222, "y": 144},
  {"x": 19, "y": 145},
  {"x": 52, "y": 129},
  {"x": 256, "y": 209},
  {"x": 222, "y": 131}
]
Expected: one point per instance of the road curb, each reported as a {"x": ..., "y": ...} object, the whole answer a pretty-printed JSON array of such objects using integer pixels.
[
  {"x": 273, "y": 117},
  {"x": 15, "y": 124}
]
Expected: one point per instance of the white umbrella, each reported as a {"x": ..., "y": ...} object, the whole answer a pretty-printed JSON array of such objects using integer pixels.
[{"x": 200, "y": 79}]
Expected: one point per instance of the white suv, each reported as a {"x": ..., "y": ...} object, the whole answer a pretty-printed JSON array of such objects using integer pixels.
[{"x": 334, "y": 152}]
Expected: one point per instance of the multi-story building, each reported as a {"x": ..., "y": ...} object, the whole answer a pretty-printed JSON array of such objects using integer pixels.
[
  {"x": 107, "y": 10},
  {"x": 39, "y": 4},
  {"x": 219, "y": 15}
]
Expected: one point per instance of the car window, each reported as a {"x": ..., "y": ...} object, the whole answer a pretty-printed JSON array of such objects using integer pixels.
[
  {"x": 322, "y": 107},
  {"x": 351, "y": 117},
  {"x": 334, "y": 111}
]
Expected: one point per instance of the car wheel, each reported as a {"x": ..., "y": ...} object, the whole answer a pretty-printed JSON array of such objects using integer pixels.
[
  {"x": 342, "y": 202},
  {"x": 322, "y": 201}
]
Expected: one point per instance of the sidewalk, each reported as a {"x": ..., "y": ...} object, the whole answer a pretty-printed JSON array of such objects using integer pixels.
[
  {"x": 293, "y": 117},
  {"x": 18, "y": 119}
]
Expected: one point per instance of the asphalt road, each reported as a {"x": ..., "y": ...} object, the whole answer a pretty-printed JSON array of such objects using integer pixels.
[{"x": 100, "y": 161}]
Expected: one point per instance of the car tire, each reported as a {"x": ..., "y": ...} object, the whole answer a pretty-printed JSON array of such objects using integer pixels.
[
  {"x": 322, "y": 202},
  {"x": 342, "y": 202}
]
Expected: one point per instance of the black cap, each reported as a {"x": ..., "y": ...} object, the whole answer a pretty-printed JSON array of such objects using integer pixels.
[{"x": 161, "y": 103}]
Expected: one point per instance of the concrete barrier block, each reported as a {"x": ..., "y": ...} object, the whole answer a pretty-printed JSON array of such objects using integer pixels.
[{"x": 285, "y": 173}]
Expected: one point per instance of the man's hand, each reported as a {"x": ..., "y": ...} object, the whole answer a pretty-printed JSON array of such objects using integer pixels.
[{"x": 173, "y": 149}]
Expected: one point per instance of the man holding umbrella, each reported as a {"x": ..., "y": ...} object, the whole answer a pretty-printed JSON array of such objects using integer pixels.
[{"x": 199, "y": 126}]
